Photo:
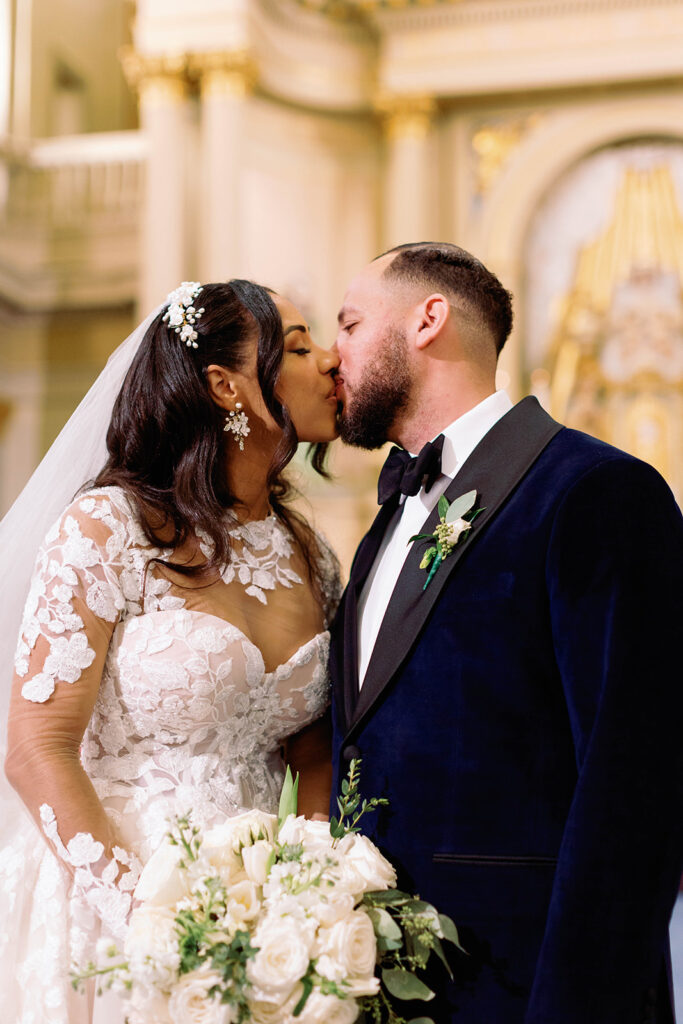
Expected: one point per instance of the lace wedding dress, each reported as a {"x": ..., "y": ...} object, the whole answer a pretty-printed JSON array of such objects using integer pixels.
[{"x": 180, "y": 714}]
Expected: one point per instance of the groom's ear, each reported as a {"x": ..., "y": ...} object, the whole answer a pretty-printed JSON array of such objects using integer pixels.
[{"x": 432, "y": 316}]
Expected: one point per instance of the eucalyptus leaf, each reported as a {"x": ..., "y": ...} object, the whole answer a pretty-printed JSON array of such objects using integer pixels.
[
  {"x": 405, "y": 985},
  {"x": 443, "y": 506},
  {"x": 438, "y": 949},
  {"x": 388, "y": 945},
  {"x": 384, "y": 924},
  {"x": 450, "y": 932},
  {"x": 288, "y": 797},
  {"x": 421, "y": 1020},
  {"x": 385, "y": 897},
  {"x": 461, "y": 506}
]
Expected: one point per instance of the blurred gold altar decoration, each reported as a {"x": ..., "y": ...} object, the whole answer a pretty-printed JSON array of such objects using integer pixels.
[
  {"x": 290, "y": 141},
  {"x": 617, "y": 369}
]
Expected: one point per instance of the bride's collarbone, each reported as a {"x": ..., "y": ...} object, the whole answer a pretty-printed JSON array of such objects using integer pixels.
[{"x": 288, "y": 620}]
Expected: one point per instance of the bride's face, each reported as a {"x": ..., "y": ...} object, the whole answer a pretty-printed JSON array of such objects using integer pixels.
[{"x": 306, "y": 383}]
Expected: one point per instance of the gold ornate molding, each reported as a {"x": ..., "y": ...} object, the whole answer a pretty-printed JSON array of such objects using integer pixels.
[
  {"x": 161, "y": 74},
  {"x": 493, "y": 143},
  {"x": 224, "y": 73},
  {"x": 220, "y": 72},
  {"x": 406, "y": 117}
]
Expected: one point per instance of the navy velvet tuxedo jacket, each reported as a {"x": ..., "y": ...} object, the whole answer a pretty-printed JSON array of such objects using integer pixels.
[{"x": 524, "y": 716}]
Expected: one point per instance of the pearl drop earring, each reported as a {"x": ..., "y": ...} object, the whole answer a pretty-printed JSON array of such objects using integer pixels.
[{"x": 237, "y": 424}]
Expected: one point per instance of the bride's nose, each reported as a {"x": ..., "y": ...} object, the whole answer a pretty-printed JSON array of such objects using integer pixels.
[{"x": 328, "y": 360}]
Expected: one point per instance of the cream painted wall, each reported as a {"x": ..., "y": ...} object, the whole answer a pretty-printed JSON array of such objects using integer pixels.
[
  {"x": 310, "y": 204},
  {"x": 83, "y": 37},
  {"x": 5, "y": 64}
]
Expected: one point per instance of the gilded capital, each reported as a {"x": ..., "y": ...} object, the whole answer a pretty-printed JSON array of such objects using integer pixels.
[
  {"x": 158, "y": 76},
  {"x": 224, "y": 72},
  {"x": 406, "y": 117}
]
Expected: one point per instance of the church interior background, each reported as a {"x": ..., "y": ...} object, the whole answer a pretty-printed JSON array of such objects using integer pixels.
[{"x": 290, "y": 141}]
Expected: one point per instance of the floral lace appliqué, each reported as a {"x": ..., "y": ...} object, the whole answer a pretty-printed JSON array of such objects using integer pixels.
[
  {"x": 95, "y": 876},
  {"x": 259, "y": 557}
]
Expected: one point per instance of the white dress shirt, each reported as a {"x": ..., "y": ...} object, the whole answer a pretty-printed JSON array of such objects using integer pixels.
[{"x": 460, "y": 439}]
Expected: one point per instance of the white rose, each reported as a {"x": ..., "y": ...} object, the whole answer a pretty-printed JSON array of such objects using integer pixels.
[
  {"x": 162, "y": 882},
  {"x": 314, "y": 835},
  {"x": 282, "y": 959},
  {"x": 455, "y": 529},
  {"x": 351, "y": 944},
  {"x": 243, "y": 901},
  {"x": 320, "y": 1009},
  {"x": 333, "y": 908},
  {"x": 151, "y": 945},
  {"x": 191, "y": 1004},
  {"x": 358, "y": 854},
  {"x": 357, "y": 987},
  {"x": 276, "y": 1013},
  {"x": 255, "y": 859}
]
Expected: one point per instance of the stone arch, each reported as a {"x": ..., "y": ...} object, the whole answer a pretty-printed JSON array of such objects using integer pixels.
[{"x": 561, "y": 140}]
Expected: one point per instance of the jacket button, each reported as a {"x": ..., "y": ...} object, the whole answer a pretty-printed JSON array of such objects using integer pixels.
[{"x": 350, "y": 753}]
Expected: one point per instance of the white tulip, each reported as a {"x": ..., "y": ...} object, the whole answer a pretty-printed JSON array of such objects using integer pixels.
[
  {"x": 162, "y": 882},
  {"x": 255, "y": 859},
  {"x": 243, "y": 901}
]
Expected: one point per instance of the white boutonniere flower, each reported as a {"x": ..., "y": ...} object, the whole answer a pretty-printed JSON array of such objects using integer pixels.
[{"x": 455, "y": 522}]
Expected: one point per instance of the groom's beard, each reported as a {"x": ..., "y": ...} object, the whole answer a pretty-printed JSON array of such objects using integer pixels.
[{"x": 382, "y": 393}]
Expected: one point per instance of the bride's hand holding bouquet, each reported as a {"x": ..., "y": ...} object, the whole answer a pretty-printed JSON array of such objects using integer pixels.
[{"x": 274, "y": 920}]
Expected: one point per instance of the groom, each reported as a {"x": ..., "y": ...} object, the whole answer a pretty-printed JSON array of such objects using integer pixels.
[{"x": 524, "y": 712}]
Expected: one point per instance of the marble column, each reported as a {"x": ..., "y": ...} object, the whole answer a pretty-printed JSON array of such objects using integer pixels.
[
  {"x": 410, "y": 184},
  {"x": 226, "y": 81},
  {"x": 165, "y": 119}
]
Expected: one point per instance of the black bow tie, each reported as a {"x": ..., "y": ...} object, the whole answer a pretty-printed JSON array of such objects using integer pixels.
[{"x": 403, "y": 473}]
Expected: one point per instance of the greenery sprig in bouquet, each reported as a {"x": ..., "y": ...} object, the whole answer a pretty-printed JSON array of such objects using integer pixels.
[{"x": 274, "y": 921}]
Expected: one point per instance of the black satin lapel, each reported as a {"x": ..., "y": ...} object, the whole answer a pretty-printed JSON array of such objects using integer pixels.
[
  {"x": 494, "y": 469},
  {"x": 362, "y": 564}
]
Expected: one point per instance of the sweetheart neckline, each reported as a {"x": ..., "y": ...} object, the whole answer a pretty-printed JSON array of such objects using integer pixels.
[{"x": 236, "y": 629}]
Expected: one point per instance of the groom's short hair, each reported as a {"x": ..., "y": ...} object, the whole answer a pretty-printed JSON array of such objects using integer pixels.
[{"x": 448, "y": 268}]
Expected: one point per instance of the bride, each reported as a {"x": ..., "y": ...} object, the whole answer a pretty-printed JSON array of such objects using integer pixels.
[{"x": 174, "y": 636}]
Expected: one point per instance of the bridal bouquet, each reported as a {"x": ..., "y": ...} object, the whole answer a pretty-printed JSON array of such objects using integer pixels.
[{"x": 274, "y": 920}]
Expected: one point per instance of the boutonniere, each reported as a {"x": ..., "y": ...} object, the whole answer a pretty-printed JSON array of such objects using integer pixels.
[{"x": 455, "y": 522}]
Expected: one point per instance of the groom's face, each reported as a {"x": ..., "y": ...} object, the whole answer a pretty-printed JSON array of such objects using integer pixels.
[{"x": 374, "y": 382}]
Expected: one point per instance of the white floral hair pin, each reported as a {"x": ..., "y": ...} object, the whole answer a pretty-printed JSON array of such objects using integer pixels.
[{"x": 182, "y": 314}]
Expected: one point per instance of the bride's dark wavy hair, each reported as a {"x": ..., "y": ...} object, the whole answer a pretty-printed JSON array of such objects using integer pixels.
[{"x": 166, "y": 440}]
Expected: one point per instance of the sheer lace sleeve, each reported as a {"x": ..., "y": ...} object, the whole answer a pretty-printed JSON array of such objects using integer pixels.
[{"x": 82, "y": 583}]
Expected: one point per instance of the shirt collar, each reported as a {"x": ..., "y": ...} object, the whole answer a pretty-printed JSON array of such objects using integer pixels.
[{"x": 463, "y": 435}]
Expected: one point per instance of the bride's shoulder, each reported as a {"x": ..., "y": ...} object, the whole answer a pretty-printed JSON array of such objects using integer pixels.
[{"x": 101, "y": 514}]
